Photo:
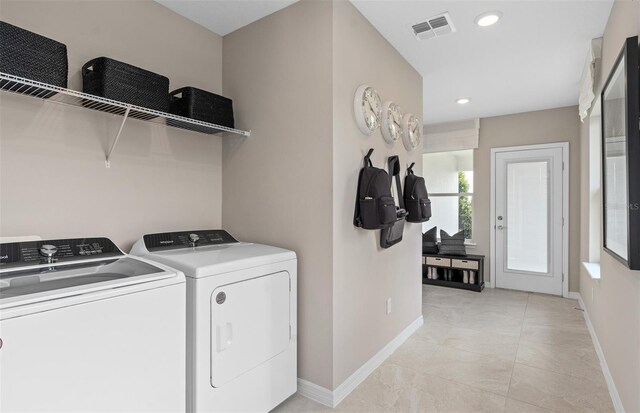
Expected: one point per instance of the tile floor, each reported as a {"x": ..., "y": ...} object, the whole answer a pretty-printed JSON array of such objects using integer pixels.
[{"x": 497, "y": 351}]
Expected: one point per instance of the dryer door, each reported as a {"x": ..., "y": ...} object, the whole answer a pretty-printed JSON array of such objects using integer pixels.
[{"x": 249, "y": 325}]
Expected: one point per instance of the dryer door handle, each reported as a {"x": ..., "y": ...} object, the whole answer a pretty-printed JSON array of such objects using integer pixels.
[{"x": 225, "y": 336}]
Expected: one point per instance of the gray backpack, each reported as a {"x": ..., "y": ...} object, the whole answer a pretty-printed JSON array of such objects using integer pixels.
[
  {"x": 375, "y": 207},
  {"x": 416, "y": 197}
]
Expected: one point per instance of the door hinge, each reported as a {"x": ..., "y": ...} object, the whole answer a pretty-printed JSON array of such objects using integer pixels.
[
  {"x": 563, "y": 165},
  {"x": 289, "y": 331},
  {"x": 562, "y": 281},
  {"x": 563, "y": 221}
]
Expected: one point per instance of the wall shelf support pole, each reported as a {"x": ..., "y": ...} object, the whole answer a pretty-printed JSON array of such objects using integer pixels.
[{"x": 115, "y": 141}]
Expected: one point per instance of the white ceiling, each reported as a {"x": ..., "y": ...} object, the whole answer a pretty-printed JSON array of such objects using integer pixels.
[
  {"x": 532, "y": 59},
  {"x": 225, "y": 16}
]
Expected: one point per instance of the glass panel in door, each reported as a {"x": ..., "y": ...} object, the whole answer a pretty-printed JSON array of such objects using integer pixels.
[{"x": 527, "y": 216}]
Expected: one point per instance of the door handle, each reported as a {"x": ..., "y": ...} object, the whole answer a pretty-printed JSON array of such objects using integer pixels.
[{"x": 225, "y": 336}]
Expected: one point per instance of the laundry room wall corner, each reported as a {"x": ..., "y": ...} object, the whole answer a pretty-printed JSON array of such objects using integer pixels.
[
  {"x": 277, "y": 184},
  {"x": 292, "y": 184}
]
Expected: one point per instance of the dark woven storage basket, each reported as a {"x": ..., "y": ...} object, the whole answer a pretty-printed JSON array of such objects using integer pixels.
[
  {"x": 29, "y": 55},
  {"x": 199, "y": 104},
  {"x": 125, "y": 83}
]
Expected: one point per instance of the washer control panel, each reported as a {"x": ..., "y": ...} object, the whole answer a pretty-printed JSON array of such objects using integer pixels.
[
  {"x": 187, "y": 239},
  {"x": 22, "y": 254}
]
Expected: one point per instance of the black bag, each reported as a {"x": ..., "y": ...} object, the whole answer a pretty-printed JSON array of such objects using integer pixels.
[
  {"x": 375, "y": 207},
  {"x": 416, "y": 197},
  {"x": 393, "y": 235}
]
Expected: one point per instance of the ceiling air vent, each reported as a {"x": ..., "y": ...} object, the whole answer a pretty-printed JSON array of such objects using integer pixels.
[{"x": 434, "y": 26}]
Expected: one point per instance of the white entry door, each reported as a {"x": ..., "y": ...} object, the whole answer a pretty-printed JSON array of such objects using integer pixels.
[{"x": 529, "y": 190}]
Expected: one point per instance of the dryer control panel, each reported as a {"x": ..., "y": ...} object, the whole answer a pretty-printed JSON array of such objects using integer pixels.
[
  {"x": 23, "y": 254},
  {"x": 187, "y": 239}
]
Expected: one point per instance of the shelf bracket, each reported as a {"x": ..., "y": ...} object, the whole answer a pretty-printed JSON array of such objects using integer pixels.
[{"x": 115, "y": 141}]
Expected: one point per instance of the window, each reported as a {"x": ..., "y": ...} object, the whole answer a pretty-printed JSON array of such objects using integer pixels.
[
  {"x": 449, "y": 179},
  {"x": 595, "y": 187}
]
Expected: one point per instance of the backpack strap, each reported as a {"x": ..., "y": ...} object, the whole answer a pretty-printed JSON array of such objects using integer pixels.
[
  {"x": 393, "y": 234},
  {"x": 356, "y": 212},
  {"x": 394, "y": 173},
  {"x": 415, "y": 181},
  {"x": 367, "y": 158}
]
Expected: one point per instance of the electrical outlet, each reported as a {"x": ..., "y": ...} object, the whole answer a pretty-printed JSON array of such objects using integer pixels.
[{"x": 388, "y": 305}]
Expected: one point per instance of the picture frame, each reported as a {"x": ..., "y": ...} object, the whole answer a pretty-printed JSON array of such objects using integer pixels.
[{"x": 620, "y": 100}]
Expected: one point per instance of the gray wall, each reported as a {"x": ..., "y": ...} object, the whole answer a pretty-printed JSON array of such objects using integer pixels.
[
  {"x": 293, "y": 76},
  {"x": 53, "y": 180},
  {"x": 365, "y": 275},
  {"x": 613, "y": 302},
  {"x": 530, "y": 128},
  {"x": 277, "y": 185}
]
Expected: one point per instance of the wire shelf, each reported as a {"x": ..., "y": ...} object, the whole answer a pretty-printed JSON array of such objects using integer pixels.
[{"x": 51, "y": 93}]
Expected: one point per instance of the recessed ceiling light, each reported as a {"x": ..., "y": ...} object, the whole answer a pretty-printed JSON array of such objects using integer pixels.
[
  {"x": 489, "y": 18},
  {"x": 463, "y": 101}
]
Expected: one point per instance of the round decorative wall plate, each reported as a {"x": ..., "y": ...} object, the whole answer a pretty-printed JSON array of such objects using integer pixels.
[
  {"x": 391, "y": 122},
  {"x": 367, "y": 108},
  {"x": 411, "y": 131}
]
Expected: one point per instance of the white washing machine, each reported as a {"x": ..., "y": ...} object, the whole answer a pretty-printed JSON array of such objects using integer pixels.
[
  {"x": 241, "y": 318},
  {"x": 84, "y": 327}
]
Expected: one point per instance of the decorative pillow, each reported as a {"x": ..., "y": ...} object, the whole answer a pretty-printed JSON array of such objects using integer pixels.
[
  {"x": 452, "y": 244},
  {"x": 430, "y": 241}
]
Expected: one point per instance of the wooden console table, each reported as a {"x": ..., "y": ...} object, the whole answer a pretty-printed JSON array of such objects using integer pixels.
[{"x": 452, "y": 267}]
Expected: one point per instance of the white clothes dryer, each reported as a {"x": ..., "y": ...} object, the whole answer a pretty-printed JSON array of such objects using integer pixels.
[{"x": 241, "y": 318}]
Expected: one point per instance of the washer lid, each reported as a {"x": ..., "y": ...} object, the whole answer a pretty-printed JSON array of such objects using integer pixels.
[
  {"x": 36, "y": 271},
  {"x": 45, "y": 283},
  {"x": 206, "y": 261}
]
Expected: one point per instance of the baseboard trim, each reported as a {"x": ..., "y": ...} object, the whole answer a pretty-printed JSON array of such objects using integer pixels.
[
  {"x": 314, "y": 392},
  {"x": 333, "y": 398},
  {"x": 350, "y": 384},
  {"x": 573, "y": 295},
  {"x": 613, "y": 391}
]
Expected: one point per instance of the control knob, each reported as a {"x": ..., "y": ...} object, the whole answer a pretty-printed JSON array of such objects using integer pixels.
[{"x": 48, "y": 251}]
